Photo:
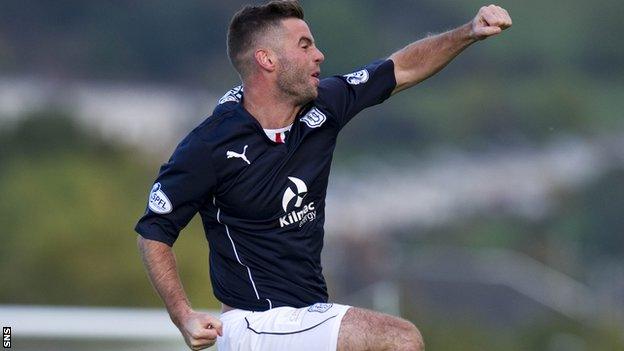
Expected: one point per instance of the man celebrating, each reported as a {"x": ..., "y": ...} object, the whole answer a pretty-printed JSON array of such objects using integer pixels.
[{"x": 257, "y": 172}]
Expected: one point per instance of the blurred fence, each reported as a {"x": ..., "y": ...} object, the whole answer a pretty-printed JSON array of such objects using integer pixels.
[
  {"x": 519, "y": 281},
  {"x": 540, "y": 283},
  {"x": 80, "y": 328}
]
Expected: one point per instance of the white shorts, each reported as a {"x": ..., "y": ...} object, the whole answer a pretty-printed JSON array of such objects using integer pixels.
[{"x": 313, "y": 328}]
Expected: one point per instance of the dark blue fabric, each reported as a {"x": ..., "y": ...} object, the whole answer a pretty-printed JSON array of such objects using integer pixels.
[{"x": 263, "y": 219}]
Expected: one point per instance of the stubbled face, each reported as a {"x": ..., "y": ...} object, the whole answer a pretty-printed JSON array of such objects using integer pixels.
[{"x": 299, "y": 62}]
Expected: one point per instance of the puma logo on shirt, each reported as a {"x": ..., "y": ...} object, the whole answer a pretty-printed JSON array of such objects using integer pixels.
[{"x": 232, "y": 154}]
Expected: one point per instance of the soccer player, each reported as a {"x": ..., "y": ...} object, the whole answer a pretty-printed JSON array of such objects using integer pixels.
[{"x": 257, "y": 171}]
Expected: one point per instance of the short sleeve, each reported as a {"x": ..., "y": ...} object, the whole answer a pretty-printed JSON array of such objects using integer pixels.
[
  {"x": 347, "y": 95},
  {"x": 183, "y": 184}
]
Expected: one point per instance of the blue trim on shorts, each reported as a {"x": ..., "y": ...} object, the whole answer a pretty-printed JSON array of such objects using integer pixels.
[{"x": 286, "y": 333}]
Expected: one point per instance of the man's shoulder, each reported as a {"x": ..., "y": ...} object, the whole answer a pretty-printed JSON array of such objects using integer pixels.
[
  {"x": 209, "y": 129},
  {"x": 223, "y": 118},
  {"x": 356, "y": 78},
  {"x": 206, "y": 138}
]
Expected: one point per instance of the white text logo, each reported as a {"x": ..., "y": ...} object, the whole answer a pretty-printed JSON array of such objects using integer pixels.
[
  {"x": 158, "y": 201},
  {"x": 300, "y": 214}
]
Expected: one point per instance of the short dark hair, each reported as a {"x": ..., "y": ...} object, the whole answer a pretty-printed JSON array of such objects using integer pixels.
[{"x": 252, "y": 21}]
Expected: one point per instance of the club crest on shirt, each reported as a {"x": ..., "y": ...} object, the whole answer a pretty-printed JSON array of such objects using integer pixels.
[
  {"x": 158, "y": 201},
  {"x": 320, "y": 307},
  {"x": 358, "y": 77},
  {"x": 314, "y": 118},
  {"x": 234, "y": 95}
]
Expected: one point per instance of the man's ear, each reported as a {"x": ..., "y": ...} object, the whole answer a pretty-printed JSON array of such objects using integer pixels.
[{"x": 265, "y": 59}]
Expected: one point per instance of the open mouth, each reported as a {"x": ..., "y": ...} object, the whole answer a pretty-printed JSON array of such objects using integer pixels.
[{"x": 316, "y": 76}]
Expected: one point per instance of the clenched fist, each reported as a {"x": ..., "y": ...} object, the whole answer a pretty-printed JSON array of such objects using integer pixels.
[
  {"x": 200, "y": 330},
  {"x": 490, "y": 20}
]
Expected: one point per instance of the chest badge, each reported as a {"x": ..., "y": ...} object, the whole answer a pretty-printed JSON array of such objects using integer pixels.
[
  {"x": 314, "y": 118},
  {"x": 233, "y": 154}
]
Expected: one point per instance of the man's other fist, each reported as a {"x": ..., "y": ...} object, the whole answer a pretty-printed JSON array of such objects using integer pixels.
[
  {"x": 490, "y": 20},
  {"x": 200, "y": 330}
]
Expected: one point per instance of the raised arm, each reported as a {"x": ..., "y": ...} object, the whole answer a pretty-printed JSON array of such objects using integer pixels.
[
  {"x": 200, "y": 330},
  {"x": 424, "y": 58}
]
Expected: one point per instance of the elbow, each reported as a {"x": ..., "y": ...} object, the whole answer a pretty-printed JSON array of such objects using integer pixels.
[
  {"x": 145, "y": 244},
  {"x": 141, "y": 244}
]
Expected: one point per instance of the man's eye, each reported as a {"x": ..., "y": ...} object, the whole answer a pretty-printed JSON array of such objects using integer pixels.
[{"x": 305, "y": 46}]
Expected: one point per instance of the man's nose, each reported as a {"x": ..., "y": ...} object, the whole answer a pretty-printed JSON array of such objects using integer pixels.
[{"x": 319, "y": 56}]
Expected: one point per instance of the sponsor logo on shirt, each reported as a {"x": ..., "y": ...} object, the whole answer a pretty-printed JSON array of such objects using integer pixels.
[
  {"x": 234, "y": 95},
  {"x": 358, "y": 77},
  {"x": 158, "y": 201},
  {"x": 320, "y": 307},
  {"x": 300, "y": 213},
  {"x": 314, "y": 118},
  {"x": 234, "y": 154}
]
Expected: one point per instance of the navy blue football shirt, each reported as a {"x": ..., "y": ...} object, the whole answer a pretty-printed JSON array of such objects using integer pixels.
[{"x": 262, "y": 203}]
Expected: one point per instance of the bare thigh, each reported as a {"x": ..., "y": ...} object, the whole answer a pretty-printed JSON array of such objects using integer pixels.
[{"x": 365, "y": 330}]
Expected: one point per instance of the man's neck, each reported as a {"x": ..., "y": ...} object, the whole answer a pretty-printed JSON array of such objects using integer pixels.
[{"x": 269, "y": 107}]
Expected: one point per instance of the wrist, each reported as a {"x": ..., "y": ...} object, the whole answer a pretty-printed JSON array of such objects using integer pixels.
[
  {"x": 467, "y": 33},
  {"x": 179, "y": 313}
]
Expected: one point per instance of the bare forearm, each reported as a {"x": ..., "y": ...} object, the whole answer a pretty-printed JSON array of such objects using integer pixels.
[
  {"x": 200, "y": 330},
  {"x": 424, "y": 58},
  {"x": 160, "y": 264}
]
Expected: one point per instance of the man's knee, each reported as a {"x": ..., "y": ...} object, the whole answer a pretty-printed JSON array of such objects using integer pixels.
[
  {"x": 367, "y": 330},
  {"x": 413, "y": 340}
]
